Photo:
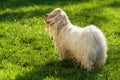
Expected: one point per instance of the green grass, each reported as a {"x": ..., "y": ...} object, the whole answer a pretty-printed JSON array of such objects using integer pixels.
[{"x": 27, "y": 52}]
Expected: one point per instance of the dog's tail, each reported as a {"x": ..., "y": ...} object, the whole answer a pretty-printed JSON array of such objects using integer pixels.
[{"x": 100, "y": 46}]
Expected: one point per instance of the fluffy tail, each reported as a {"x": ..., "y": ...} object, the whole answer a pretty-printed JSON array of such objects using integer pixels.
[{"x": 100, "y": 46}]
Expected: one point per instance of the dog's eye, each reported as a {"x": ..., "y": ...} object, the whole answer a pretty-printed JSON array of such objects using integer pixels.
[{"x": 51, "y": 16}]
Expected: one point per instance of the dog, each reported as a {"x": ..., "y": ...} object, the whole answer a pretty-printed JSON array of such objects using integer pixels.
[{"x": 86, "y": 46}]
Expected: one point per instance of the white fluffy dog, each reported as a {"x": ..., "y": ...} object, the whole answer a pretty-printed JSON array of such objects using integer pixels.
[{"x": 87, "y": 46}]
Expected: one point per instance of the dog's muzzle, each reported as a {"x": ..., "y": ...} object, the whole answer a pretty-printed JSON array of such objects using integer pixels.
[{"x": 46, "y": 15}]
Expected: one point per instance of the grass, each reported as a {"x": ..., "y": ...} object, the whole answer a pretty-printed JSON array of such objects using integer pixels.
[{"x": 27, "y": 52}]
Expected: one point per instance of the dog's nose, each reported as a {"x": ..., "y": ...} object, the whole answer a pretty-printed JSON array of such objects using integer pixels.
[{"x": 46, "y": 15}]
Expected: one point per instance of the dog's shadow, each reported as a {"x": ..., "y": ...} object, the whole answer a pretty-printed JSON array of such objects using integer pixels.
[{"x": 63, "y": 70}]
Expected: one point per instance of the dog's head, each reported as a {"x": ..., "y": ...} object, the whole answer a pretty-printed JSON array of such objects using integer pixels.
[
  {"x": 56, "y": 21},
  {"x": 55, "y": 17}
]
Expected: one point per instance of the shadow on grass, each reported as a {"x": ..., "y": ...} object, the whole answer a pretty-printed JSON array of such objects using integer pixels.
[
  {"x": 89, "y": 16},
  {"x": 13, "y": 4},
  {"x": 23, "y": 15},
  {"x": 93, "y": 15},
  {"x": 115, "y": 4},
  {"x": 63, "y": 70},
  {"x": 23, "y": 3}
]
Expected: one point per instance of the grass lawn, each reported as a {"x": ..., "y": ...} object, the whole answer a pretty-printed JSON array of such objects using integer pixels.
[{"x": 27, "y": 52}]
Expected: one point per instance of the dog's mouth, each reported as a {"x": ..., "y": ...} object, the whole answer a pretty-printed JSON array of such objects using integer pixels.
[{"x": 48, "y": 22}]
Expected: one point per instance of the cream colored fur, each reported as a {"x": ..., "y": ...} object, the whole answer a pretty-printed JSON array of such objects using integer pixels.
[{"x": 87, "y": 46}]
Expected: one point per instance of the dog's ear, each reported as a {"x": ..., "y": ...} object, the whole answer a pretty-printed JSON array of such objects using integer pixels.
[{"x": 58, "y": 10}]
